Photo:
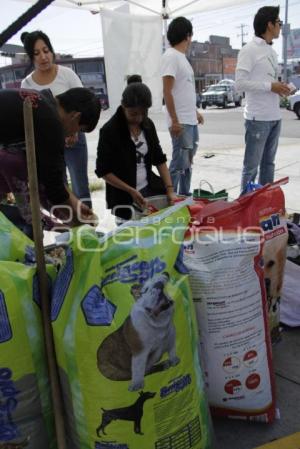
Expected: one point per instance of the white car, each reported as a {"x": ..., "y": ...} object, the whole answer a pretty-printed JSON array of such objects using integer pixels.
[
  {"x": 221, "y": 95},
  {"x": 294, "y": 103},
  {"x": 227, "y": 81}
]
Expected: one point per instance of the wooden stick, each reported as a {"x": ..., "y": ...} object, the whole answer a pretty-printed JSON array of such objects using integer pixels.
[{"x": 42, "y": 275}]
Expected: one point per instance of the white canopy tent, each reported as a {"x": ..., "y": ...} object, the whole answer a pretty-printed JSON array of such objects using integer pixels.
[
  {"x": 133, "y": 31},
  {"x": 160, "y": 7}
]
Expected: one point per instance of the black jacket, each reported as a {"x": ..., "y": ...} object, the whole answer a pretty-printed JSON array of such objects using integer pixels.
[
  {"x": 116, "y": 153},
  {"x": 48, "y": 135}
]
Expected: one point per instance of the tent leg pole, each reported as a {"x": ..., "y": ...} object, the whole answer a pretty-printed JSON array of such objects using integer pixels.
[
  {"x": 165, "y": 24},
  {"x": 42, "y": 276}
]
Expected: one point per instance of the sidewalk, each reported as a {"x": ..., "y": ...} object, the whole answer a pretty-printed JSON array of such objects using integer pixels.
[{"x": 223, "y": 169}]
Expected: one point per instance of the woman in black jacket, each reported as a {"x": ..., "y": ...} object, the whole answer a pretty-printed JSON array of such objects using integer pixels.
[{"x": 128, "y": 147}]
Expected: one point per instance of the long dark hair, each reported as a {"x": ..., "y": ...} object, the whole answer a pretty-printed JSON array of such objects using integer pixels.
[
  {"x": 137, "y": 95},
  {"x": 29, "y": 40}
]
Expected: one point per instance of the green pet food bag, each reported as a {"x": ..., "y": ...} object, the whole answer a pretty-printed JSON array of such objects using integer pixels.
[
  {"x": 14, "y": 244},
  {"x": 126, "y": 339},
  {"x": 26, "y": 418}
]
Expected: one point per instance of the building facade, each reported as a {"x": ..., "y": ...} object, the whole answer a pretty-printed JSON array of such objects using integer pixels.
[
  {"x": 212, "y": 61},
  {"x": 91, "y": 71}
]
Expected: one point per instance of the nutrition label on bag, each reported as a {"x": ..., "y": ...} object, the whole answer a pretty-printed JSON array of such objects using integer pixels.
[{"x": 227, "y": 292}]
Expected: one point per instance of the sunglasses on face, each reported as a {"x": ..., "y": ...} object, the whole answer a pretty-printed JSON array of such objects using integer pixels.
[{"x": 280, "y": 22}]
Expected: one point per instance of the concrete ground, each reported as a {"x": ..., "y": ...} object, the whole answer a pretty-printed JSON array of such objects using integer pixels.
[
  {"x": 224, "y": 139},
  {"x": 223, "y": 170}
]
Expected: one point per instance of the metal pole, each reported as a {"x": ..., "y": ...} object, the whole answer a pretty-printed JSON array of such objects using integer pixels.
[
  {"x": 165, "y": 24},
  {"x": 285, "y": 33},
  {"x": 222, "y": 67},
  {"x": 42, "y": 275},
  {"x": 165, "y": 27},
  {"x": 18, "y": 24}
]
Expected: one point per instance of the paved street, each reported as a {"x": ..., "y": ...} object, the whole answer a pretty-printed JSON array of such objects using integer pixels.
[{"x": 222, "y": 136}]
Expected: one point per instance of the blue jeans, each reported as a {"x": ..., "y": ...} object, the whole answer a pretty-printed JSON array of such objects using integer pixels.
[
  {"x": 76, "y": 158},
  {"x": 184, "y": 149},
  {"x": 261, "y": 140}
]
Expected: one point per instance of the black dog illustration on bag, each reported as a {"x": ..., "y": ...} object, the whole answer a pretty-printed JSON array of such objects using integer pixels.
[
  {"x": 135, "y": 349},
  {"x": 8, "y": 445},
  {"x": 133, "y": 413}
]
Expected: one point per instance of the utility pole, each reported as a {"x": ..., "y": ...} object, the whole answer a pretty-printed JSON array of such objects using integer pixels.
[
  {"x": 242, "y": 26},
  {"x": 285, "y": 34}
]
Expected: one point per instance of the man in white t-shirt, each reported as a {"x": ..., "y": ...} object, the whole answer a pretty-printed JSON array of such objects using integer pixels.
[
  {"x": 257, "y": 76},
  {"x": 180, "y": 100}
]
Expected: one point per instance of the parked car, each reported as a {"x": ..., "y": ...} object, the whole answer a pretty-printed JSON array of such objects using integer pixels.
[
  {"x": 221, "y": 95},
  {"x": 294, "y": 103},
  {"x": 103, "y": 98},
  {"x": 227, "y": 81}
]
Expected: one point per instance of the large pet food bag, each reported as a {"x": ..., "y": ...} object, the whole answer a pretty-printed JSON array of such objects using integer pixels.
[
  {"x": 14, "y": 245},
  {"x": 224, "y": 256},
  {"x": 126, "y": 339},
  {"x": 269, "y": 204},
  {"x": 26, "y": 418}
]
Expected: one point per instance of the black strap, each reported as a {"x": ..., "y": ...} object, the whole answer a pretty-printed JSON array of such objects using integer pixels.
[
  {"x": 18, "y": 24},
  {"x": 139, "y": 156}
]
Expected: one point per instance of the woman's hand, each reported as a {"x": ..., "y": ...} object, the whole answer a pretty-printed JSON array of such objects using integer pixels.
[
  {"x": 138, "y": 198},
  {"x": 172, "y": 197}
]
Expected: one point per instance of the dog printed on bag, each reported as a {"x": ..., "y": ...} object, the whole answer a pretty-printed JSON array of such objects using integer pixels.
[
  {"x": 274, "y": 262},
  {"x": 274, "y": 255},
  {"x": 8, "y": 445},
  {"x": 133, "y": 413},
  {"x": 136, "y": 348}
]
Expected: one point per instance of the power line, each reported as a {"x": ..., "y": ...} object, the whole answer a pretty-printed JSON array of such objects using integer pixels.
[{"x": 211, "y": 21}]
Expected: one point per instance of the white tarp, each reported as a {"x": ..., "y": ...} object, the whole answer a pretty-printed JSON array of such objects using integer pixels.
[
  {"x": 132, "y": 44},
  {"x": 173, "y": 7}
]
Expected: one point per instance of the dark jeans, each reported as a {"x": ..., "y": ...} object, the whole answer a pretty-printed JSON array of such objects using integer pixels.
[{"x": 76, "y": 159}]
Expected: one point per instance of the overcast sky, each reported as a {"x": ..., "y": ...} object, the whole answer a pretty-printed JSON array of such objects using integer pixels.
[{"x": 79, "y": 32}]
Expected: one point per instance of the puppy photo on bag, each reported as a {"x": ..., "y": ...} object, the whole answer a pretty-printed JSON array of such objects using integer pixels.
[{"x": 136, "y": 348}]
